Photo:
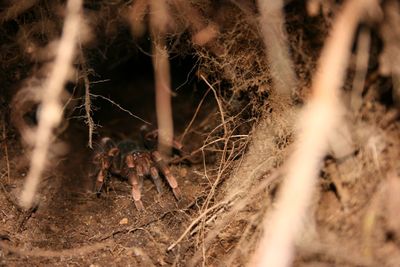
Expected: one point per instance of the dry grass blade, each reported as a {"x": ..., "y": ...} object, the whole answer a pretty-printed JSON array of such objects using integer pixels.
[
  {"x": 51, "y": 110},
  {"x": 319, "y": 119}
]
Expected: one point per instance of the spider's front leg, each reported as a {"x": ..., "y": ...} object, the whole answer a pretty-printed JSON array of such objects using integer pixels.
[
  {"x": 135, "y": 179},
  {"x": 103, "y": 161},
  {"x": 163, "y": 167}
]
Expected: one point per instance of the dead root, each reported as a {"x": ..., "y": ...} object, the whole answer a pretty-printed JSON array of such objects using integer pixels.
[{"x": 73, "y": 252}]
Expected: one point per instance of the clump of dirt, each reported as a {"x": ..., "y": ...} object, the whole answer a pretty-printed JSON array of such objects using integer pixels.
[{"x": 223, "y": 90}]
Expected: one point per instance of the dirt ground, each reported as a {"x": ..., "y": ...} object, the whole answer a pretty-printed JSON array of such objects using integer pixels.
[
  {"x": 355, "y": 213},
  {"x": 72, "y": 227}
]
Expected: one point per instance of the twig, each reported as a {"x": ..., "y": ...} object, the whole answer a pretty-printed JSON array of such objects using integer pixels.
[
  {"x": 273, "y": 30},
  {"x": 194, "y": 115},
  {"x": 159, "y": 23},
  {"x": 195, "y": 222},
  {"x": 10, "y": 199},
  {"x": 25, "y": 217},
  {"x": 163, "y": 97},
  {"x": 50, "y": 109},
  {"x": 121, "y": 108},
  {"x": 88, "y": 110},
  {"x": 221, "y": 110},
  {"x": 73, "y": 252},
  {"x": 225, "y": 138},
  {"x": 364, "y": 41}
]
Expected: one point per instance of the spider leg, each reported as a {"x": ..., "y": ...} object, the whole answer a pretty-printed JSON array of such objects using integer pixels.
[
  {"x": 140, "y": 173},
  {"x": 103, "y": 161},
  {"x": 100, "y": 180},
  {"x": 156, "y": 178},
  {"x": 136, "y": 194},
  {"x": 161, "y": 165},
  {"x": 149, "y": 169},
  {"x": 134, "y": 179}
]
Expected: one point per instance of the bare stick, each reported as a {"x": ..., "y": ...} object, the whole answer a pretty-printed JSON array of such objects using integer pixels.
[
  {"x": 51, "y": 109},
  {"x": 88, "y": 110},
  {"x": 361, "y": 70},
  {"x": 120, "y": 107},
  {"x": 73, "y": 252},
  {"x": 274, "y": 34},
  {"x": 320, "y": 117},
  {"x": 159, "y": 20}
]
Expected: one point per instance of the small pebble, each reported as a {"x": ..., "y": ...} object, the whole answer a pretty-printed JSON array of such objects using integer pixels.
[{"x": 123, "y": 221}]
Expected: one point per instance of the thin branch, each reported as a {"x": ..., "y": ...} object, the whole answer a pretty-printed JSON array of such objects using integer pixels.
[
  {"x": 362, "y": 59},
  {"x": 88, "y": 110},
  {"x": 73, "y": 252},
  {"x": 272, "y": 24},
  {"x": 51, "y": 109},
  {"x": 120, "y": 107},
  {"x": 218, "y": 102},
  {"x": 194, "y": 116},
  {"x": 159, "y": 23}
]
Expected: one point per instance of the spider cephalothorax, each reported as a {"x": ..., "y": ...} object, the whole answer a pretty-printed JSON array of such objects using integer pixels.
[{"x": 129, "y": 160}]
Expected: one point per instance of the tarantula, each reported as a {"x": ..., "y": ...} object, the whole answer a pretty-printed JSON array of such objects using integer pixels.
[{"x": 130, "y": 160}]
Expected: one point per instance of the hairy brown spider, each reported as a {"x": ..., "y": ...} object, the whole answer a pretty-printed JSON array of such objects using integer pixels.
[{"x": 133, "y": 162}]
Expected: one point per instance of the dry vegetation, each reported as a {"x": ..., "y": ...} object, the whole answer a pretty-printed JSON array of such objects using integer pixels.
[{"x": 287, "y": 110}]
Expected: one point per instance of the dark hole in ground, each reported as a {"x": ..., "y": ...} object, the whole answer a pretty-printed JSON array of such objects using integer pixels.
[{"x": 130, "y": 84}]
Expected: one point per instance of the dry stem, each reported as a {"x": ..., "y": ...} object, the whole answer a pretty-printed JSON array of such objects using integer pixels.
[
  {"x": 362, "y": 59},
  {"x": 194, "y": 116},
  {"x": 159, "y": 22},
  {"x": 163, "y": 97},
  {"x": 272, "y": 25},
  {"x": 73, "y": 252},
  {"x": 119, "y": 106},
  {"x": 319, "y": 119},
  {"x": 51, "y": 110},
  {"x": 88, "y": 110}
]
